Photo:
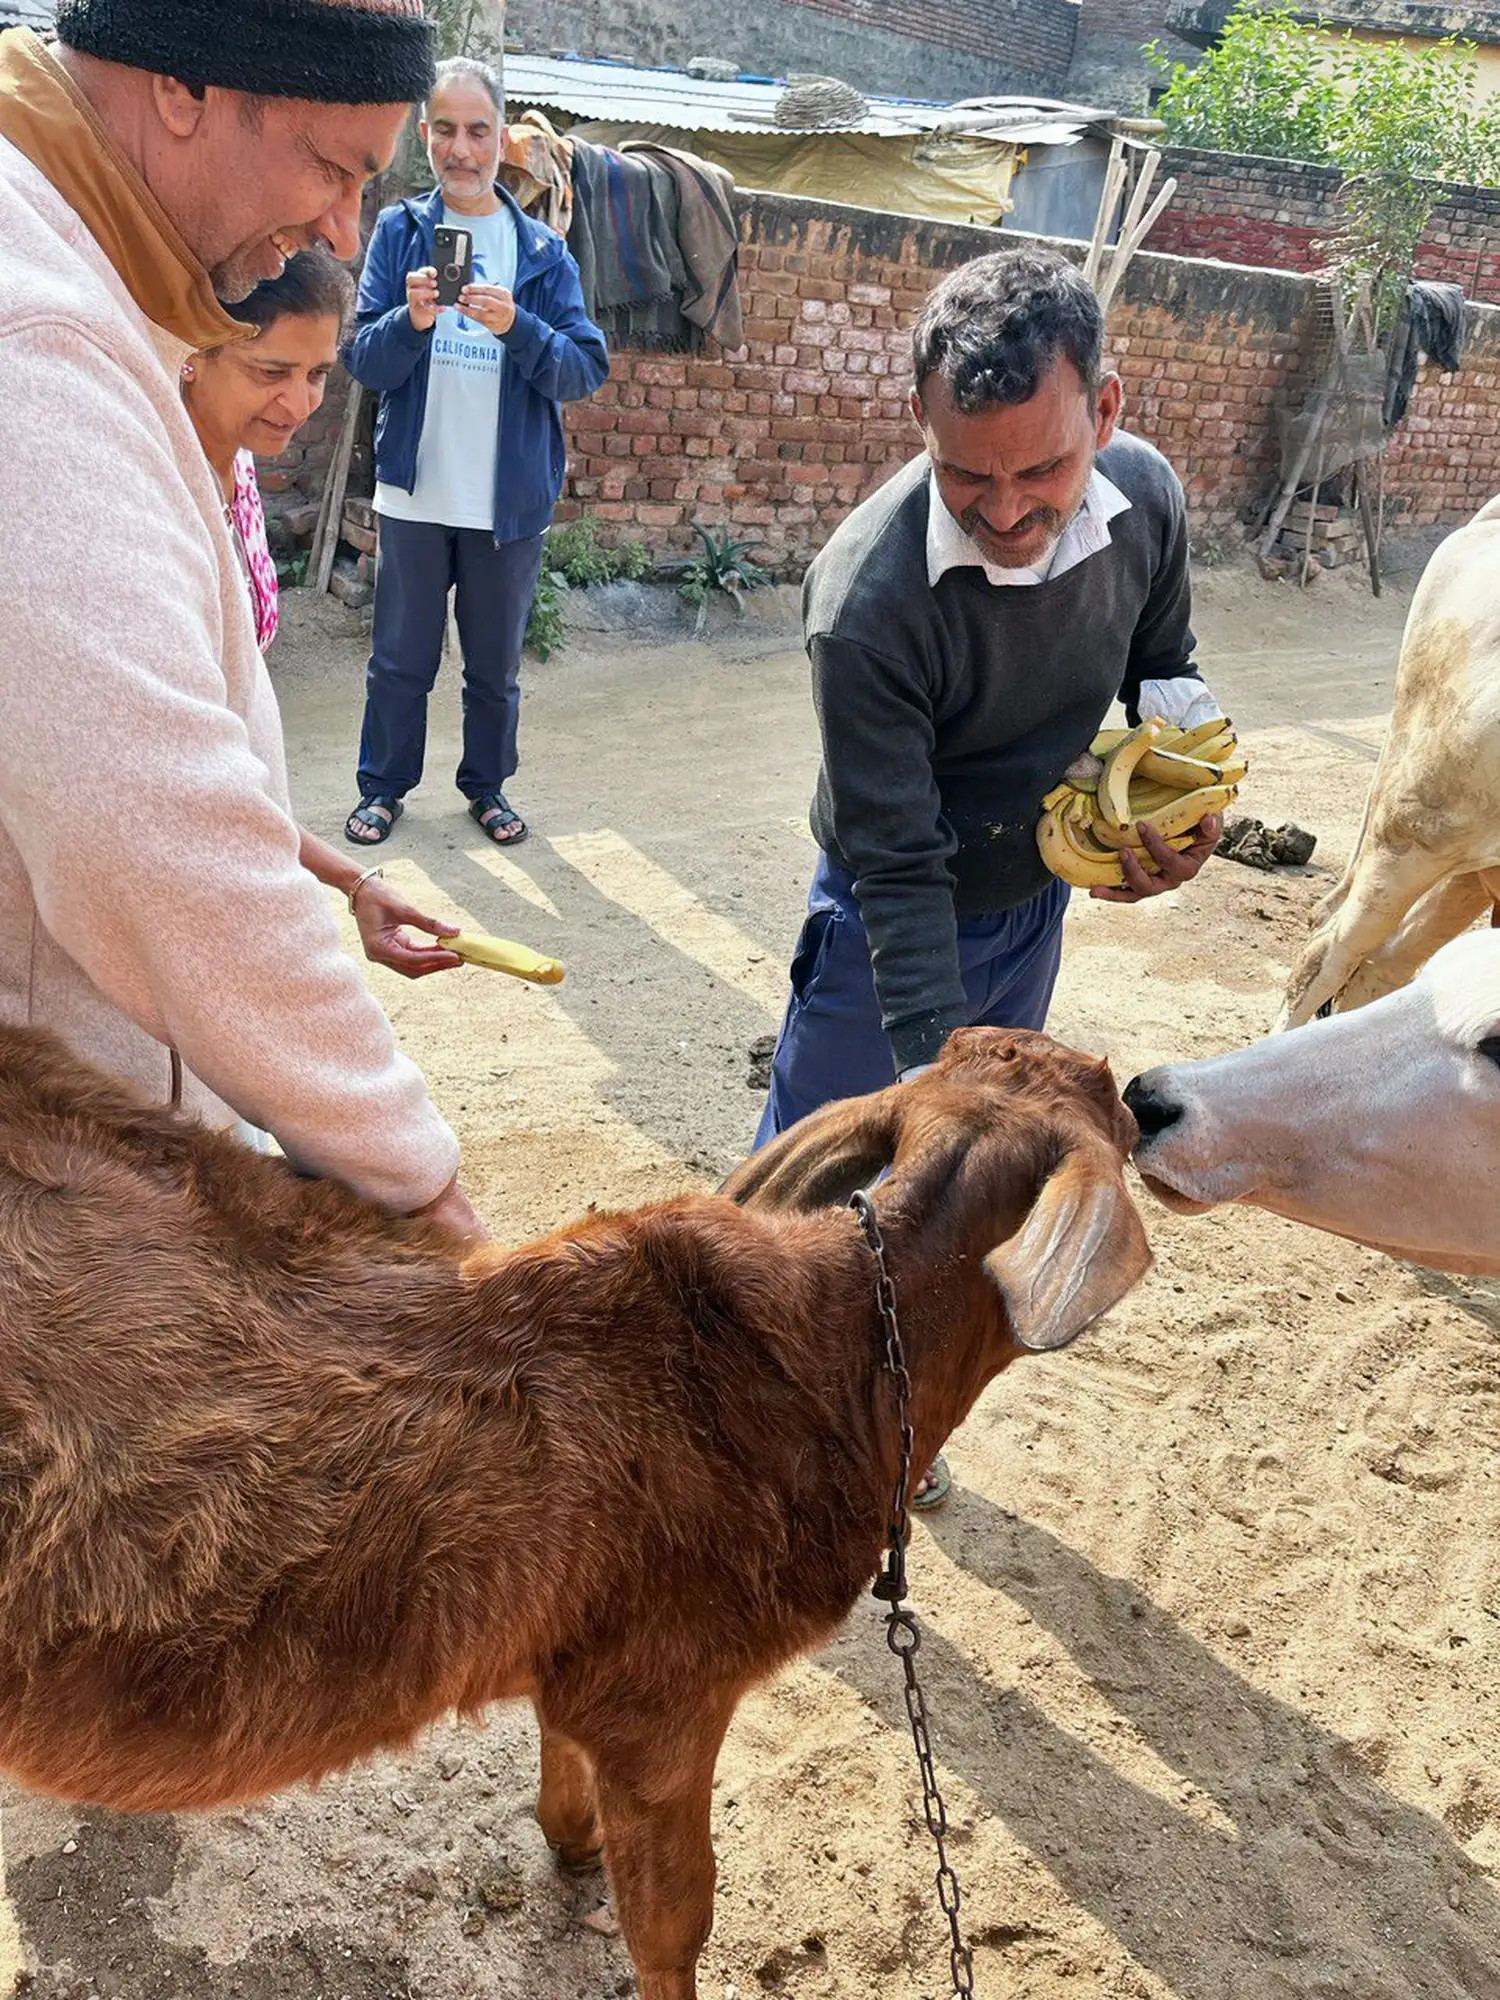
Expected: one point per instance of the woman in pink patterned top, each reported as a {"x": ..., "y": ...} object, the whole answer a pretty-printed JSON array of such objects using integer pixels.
[{"x": 249, "y": 401}]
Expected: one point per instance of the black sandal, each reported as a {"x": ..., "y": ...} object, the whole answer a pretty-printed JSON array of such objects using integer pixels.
[
  {"x": 378, "y": 816},
  {"x": 502, "y": 815}
]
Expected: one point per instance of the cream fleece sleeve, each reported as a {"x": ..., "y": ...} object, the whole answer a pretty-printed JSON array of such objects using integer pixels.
[{"x": 159, "y": 845}]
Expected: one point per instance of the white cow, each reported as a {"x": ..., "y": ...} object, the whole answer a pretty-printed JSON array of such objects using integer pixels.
[
  {"x": 1382, "y": 1125},
  {"x": 1427, "y": 862}
]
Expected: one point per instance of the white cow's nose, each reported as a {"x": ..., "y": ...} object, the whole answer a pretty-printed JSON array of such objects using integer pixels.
[{"x": 1150, "y": 1102}]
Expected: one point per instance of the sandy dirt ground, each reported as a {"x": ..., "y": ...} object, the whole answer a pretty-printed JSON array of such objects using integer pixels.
[{"x": 1214, "y": 1614}]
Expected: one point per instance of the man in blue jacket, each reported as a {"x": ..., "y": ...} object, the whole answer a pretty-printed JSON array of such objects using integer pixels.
[{"x": 469, "y": 454}]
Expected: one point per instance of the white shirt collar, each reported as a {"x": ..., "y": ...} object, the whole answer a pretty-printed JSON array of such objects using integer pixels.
[{"x": 948, "y": 547}]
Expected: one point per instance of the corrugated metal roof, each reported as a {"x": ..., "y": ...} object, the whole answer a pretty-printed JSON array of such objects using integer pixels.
[
  {"x": 36, "y": 14},
  {"x": 621, "y": 94}
]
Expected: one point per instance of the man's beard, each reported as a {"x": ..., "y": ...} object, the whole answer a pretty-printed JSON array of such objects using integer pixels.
[{"x": 1040, "y": 519}]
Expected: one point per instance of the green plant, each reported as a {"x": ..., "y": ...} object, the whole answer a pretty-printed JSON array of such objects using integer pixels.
[
  {"x": 1405, "y": 122},
  {"x": 1394, "y": 119},
  {"x": 574, "y": 550},
  {"x": 292, "y": 570},
  {"x": 723, "y": 565},
  {"x": 545, "y": 630},
  {"x": 1263, "y": 89}
]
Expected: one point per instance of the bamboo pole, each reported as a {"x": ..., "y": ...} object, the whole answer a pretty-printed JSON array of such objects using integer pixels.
[
  {"x": 1126, "y": 249},
  {"x": 1114, "y": 180}
]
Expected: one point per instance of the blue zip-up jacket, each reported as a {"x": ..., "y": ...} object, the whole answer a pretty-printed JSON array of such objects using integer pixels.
[{"x": 554, "y": 354}]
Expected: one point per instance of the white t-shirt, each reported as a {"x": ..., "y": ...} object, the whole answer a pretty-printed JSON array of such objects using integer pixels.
[{"x": 460, "y": 431}]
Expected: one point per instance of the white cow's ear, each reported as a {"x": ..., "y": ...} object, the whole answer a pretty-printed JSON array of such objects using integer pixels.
[{"x": 1077, "y": 1253}]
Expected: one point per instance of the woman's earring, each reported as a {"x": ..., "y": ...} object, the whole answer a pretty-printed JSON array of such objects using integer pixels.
[{"x": 188, "y": 371}]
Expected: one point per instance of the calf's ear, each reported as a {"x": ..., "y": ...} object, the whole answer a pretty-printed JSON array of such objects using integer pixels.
[
  {"x": 1077, "y": 1253},
  {"x": 821, "y": 1160}
]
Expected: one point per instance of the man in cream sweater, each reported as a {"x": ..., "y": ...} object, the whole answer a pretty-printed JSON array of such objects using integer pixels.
[{"x": 163, "y": 155}]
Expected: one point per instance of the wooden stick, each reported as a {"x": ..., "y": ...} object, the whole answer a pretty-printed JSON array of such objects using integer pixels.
[
  {"x": 1108, "y": 281},
  {"x": 1138, "y": 193},
  {"x": 1367, "y": 521},
  {"x": 1113, "y": 177},
  {"x": 1312, "y": 514},
  {"x": 1126, "y": 250},
  {"x": 320, "y": 562}
]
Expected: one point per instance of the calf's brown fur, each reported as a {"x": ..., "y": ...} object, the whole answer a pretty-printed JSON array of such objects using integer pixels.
[{"x": 282, "y": 1480}]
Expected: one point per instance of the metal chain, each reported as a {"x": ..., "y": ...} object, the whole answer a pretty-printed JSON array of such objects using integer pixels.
[{"x": 902, "y": 1633}]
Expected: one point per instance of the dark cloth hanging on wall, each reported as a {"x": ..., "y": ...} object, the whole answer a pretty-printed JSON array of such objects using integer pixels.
[
  {"x": 624, "y": 238},
  {"x": 1431, "y": 323},
  {"x": 708, "y": 237},
  {"x": 656, "y": 241}
]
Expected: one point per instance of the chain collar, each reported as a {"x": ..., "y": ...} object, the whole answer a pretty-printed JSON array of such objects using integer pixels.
[{"x": 902, "y": 1633}]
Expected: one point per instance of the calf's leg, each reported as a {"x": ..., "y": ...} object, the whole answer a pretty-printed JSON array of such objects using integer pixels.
[
  {"x": 567, "y": 1803},
  {"x": 655, "y": 1802}
]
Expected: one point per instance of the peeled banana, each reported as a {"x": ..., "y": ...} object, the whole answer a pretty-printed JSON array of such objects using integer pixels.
[
  {"x": 500, "y": 955},
  {"x": 1156, "y": 773}
]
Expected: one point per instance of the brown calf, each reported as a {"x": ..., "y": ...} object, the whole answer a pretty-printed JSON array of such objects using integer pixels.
[{"x": 282, "y": 1480}]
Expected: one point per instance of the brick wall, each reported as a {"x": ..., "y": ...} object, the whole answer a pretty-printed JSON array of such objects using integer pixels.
[
  {"x": 1032, "y": 37},
  {"x": 943, "y": 49},
  {"x": 1109, "y": 65},
  {"x": 1278, "y": 213},
  {"x": 784, "y": 437}
]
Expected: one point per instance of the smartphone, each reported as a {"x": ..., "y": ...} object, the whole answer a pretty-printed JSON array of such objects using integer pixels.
[{"x": 453, "y": 253}]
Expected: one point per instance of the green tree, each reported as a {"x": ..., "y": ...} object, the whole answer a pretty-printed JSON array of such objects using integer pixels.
[
  {"x": 1264, "y": 89},
  {"x": 1397, "y": 121}
]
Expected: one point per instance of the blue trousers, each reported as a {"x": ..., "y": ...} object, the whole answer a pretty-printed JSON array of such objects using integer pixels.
[
  {"x": 832, "y": 1044},
  {"x": 418, "y": 563}
]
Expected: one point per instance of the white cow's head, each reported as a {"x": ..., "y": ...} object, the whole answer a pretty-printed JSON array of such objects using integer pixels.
[{"x": 1382, "y": 1125}]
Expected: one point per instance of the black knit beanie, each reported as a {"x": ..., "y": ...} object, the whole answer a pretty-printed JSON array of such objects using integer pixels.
[{"x": 314, "y": 49}]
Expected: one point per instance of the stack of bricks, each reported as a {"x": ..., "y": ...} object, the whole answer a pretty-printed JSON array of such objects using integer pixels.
[{"x": 1328, "y": 535}]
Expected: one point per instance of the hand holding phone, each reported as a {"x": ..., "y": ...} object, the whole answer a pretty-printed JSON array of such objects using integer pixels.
[
  {"x": 453, "y": 250},
  {"x": 421, "y": 298}
]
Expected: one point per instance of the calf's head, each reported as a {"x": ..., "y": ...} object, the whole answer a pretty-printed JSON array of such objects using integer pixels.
[
  {"x": 1009, "y": 1153},
  {"x": 1382, "y": 1125}
]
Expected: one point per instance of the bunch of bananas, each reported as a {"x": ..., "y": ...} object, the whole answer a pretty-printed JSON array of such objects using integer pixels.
[{"x": 1155, "y": 772}]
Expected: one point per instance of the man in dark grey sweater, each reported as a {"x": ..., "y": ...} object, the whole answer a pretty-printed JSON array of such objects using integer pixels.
[{"x": 969, "y": 627}]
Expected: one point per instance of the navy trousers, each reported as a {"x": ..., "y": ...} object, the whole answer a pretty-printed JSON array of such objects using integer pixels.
[
  {"x": 832, "y": 1044},
  {"x": 418, "y": 563}
]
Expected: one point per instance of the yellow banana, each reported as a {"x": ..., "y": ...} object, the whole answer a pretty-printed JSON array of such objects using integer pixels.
[
  {"x": 1069, "y": 863},
  {"x": 1107, "y": 740},
  {"x": 1114, "y": 780},
  {"x": 1185, "y": 774},
  {"x": 1190, "y": 742},
  {"x": 1188, "y": 808},
  {"x": 1113, "y": 836},
  {"x": 1216, "y": 749},
  {"x": 500, "y": 955}
]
